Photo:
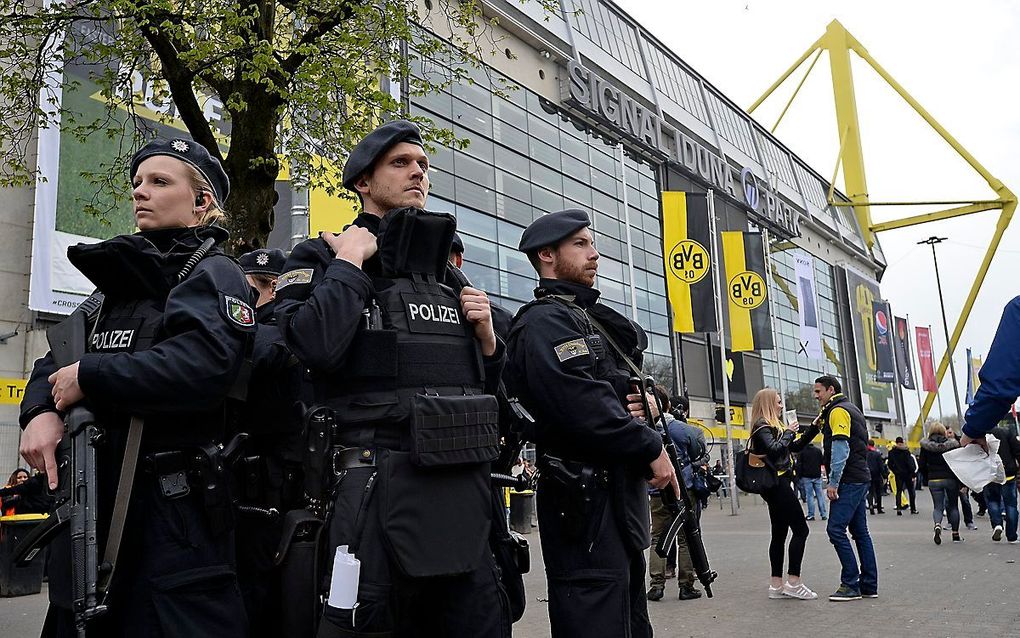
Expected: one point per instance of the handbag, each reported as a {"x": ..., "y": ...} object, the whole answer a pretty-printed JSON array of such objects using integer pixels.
[{"x": 752, "y": 472}]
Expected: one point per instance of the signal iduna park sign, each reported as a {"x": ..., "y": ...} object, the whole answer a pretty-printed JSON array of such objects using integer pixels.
[{"x": 597, "y": 98}]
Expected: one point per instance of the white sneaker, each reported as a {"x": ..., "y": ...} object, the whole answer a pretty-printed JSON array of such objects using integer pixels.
[
  {"x": 776, "y": 593},
  {"x": 799, "y": 591},
  {"x": 997, "y": 533}
]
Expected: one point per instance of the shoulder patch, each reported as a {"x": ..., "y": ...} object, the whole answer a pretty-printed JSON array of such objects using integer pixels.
[
  {"x": 299, "y": 276},
  {"x": 571, "y": 349},
  {"x": 238, "y": 311}
]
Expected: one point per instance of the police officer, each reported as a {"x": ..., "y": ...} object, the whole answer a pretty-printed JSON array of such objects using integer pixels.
[
  {"x": 400, "y": 359},
  {"x": 269, "y": 472},
  {"x": 501, "y": 317},
  {"x": 164, "y": 354},
  {"x": 594, "y": 446}
]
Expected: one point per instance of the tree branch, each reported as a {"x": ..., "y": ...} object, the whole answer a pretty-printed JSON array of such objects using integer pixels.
[
  {"x": 179, "y": 80},
  {"x": 326, "y": 23}
]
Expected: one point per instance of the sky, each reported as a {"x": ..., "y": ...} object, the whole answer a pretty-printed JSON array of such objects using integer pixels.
[{"x": 959, "y": 60}]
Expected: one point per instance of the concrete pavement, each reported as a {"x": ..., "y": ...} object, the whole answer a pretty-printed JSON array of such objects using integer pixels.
[{"x": 958, "y": 590}]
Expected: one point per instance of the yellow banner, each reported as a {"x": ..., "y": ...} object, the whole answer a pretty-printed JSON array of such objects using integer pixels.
[
  {"x": 685, "y": 249},
  {"x": 11, "y": 391}
]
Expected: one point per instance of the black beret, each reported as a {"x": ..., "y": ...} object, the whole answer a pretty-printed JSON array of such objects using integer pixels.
[
  {"x": 458, "y": 245},
  {"x": 376, "y": 143},
  {"x": 549, "y": 229},
  {"x": 263, "y": 261},
  {"x": 193, "y": 153}
]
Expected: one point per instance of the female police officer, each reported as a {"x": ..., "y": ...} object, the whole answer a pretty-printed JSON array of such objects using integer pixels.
[{"x": 163, "y": 353}]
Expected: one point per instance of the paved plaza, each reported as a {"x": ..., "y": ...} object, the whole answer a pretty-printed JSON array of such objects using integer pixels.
[{"x": 958, "y": 590}]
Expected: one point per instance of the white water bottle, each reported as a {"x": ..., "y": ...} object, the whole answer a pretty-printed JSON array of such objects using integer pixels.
[{"x": 343, "y": 588}]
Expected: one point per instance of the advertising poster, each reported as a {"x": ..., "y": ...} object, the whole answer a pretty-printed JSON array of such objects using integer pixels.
[
  {"x": 63, "y": 196},
  {"x": 807, "y": 306},
  {"x": 876, "y": 386},
  {"x": 904, "y": 354},
  {"x": 926, "y": 360},
  {"x": 886, "y": 371}
]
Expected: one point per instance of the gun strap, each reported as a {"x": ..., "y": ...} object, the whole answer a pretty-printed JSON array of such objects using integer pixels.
[
  {"x": 120, "y": 507},
  {"x": 569, "y": 302}
]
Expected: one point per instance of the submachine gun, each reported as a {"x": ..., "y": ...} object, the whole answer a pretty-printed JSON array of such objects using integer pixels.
[
  {"x": 682, "y": 511},
  {"x": 75, "y": 496}
]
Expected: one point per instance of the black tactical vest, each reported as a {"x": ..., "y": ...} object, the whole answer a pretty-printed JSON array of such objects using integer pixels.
[
  {"x": 415, "y": 360},
  {"x": 127, "y": 326}
]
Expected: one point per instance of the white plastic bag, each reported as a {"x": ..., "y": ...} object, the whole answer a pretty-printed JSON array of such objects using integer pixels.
[{"x": 974, "y": 467}]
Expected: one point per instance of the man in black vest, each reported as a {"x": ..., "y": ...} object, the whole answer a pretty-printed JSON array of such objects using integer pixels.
[
  {"x": 845, "y": 442},
  {"x": 594, "y": 447},
  {"x": 407, "y": 368},
  {"x": 269, "y": 475}
]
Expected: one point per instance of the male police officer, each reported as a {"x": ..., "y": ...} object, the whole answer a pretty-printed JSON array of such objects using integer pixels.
[
  {"x": 409, "y": 369},
  {"x": 594, "y": 449},
  {"x": 269, "y": 472}
]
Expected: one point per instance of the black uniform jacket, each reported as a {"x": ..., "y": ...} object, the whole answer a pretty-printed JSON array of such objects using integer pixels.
[
  {"x": 270, "y": 414},
  {"x": 578, "y": 407},
  {"x": 179, "y": 384},
  {"x": 319, "y": 300}
]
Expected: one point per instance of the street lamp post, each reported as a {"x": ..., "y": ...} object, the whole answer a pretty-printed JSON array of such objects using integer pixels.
[{"x": 931, "y": 241}]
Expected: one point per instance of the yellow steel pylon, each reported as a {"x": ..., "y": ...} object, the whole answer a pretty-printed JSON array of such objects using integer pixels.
[{"x": 838, "y": 42}]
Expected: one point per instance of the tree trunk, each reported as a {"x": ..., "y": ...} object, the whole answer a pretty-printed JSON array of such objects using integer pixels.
[{"x": 253, "y": 194}]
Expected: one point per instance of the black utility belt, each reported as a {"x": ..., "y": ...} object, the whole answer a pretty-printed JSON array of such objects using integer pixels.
[{"x": 175, "y": 471}]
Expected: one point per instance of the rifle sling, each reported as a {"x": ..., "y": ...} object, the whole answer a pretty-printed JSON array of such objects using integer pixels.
[
  {"x": 569, "y": 302},
  {"x": 120, "y": 507}
]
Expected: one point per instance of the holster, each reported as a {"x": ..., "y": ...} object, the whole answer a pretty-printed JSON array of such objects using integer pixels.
[
  {"x": 580, "y": 483},
  {"x": 297, "y": 558}
]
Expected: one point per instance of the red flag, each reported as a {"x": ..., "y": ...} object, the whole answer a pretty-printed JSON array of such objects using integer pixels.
[{"x": 924, "y": 357}]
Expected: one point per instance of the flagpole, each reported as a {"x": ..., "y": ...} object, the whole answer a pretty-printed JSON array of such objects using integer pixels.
[
  {"x": 938, "y": 394},
  {"x": 710, "y": 197},
  {"x": 772, "y": 314}
]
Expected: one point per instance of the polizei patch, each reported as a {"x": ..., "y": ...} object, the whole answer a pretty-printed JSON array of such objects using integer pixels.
[
  {"x": 571, "y": 349},
  {"x": 239, "y": 312},
  {"x": 432, "y": 314},
  {"x": 116, "y": 336}
]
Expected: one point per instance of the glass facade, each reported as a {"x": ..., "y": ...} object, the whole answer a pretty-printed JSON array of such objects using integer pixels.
[
  {"x": 799, "y": 370},
  {"x": 522, "y": 162}
]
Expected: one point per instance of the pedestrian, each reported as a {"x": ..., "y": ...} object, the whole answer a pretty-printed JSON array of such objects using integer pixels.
[
  {"x": 812, "y": 477},
  {"x": 940, "y": 480},
  {"x": 692, "y": 453},
  {"x": 168, "y": 342},
  {"x": 775, "y": 440},
  {"x": 1001, "y": 498},
  {"x": 569, "y": 362},
  {"x": 270, "y": 469},
  {"x": 845, "y": 442},
  {"x": 392, "y": 353},
  {"x": 966, "y": 511},
  {"x": 25, "y": 494},
  {"x": 903, "y": 466},
  {"x": 879, "y": 474}
]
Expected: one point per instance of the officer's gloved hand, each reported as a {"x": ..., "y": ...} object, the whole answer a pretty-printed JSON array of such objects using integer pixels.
[
  {"x": 475, "y": 305},
  {"x": 663, "y": 473},
  {"x": 355, "y": 244}
]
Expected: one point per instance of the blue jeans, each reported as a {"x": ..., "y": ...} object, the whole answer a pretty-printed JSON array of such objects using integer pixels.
[
  {"x": 814, "y": 489},
  {"x": 945, "y": 497},
  {"x": 850, "y": 510},
  {"x": 1001, "y": 501}
]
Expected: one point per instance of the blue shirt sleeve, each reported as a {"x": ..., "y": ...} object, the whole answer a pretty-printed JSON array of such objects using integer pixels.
[
  {"x": 1000, "y": 375},
  {"x": 840, "y": 453}
]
